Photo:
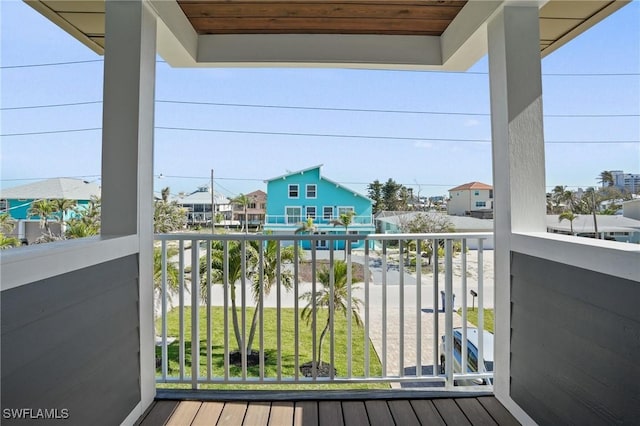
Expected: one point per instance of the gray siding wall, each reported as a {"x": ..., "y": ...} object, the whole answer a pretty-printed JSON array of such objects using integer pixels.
[
  {"x": 575, "y": 344},
  {"x": 72, "y": 342}
]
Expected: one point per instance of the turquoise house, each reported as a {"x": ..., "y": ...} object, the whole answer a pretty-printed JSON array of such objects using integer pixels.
[
  {"x": 295, "y": 197},
  {"x": 16, "y": 202}
]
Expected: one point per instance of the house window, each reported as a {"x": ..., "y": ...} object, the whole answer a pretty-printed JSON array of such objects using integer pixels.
[
  {"x": 476, "y": 193},
  {"x": 491, "y": 193},
  {"x": 293, "y": 191},
  {"x": 311, "y": 212},
  {"x": 311, "y": 191},
  {"x": 4, "y": 205},
  {"x": 344, "y": 210},
  {"x": 481, "y": 204},
  {"x": 327, "y": 213},
  {"x": 293, "y": 215}
]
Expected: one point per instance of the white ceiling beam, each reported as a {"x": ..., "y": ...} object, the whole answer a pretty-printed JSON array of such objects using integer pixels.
[
  {"x": 320, "y": 50},
  {"x": 177, "y": 40}
]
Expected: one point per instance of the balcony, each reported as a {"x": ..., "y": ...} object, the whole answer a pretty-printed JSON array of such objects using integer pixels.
[
  {"x": 295, "y": 220},
  {"x": 246, "y": 284}
]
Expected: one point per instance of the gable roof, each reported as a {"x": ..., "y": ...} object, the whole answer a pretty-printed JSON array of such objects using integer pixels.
[
  {"x": 472, "y": 185},
  {"x": 56, "y": 188},
  {"x": 321, "y": 178}
]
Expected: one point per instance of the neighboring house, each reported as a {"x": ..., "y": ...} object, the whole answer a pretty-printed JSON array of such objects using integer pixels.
[
  {"x": 610, "y": 227},
  {"x": 198, "y": 206},
  {"x": 297, "y": 196},
  {"x": 471, "y": 199},
  {"x": 17, "y": 200},
  {"x": 394, "y": 223},
  {"x": 256, "y": 209}
]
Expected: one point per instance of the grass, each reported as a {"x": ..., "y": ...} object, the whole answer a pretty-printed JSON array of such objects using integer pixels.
[
  {"x": 472, "y": 317},
  {"x": 305, "y": 349}
]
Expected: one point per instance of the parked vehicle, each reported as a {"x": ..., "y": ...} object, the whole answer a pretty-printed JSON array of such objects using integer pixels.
[{"x": 472, "y": 354}]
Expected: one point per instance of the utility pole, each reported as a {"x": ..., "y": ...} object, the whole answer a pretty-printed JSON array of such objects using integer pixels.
[
  {"x": 213, "y": 207},
  {"x": 595, "y": 221}
]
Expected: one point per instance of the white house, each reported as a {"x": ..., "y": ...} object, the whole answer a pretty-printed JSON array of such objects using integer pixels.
[
  {"x": 471, "y": 197},
  {"x": 198, "y": 206}
]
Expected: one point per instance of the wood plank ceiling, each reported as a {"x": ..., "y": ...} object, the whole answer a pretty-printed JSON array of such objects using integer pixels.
[
  {"x": 388, "y": 17},
  {"x": 560, "y": 20}
]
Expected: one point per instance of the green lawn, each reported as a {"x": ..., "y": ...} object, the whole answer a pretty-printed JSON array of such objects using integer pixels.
[
  {"x": 270, "y": 341},
  {"x": 472, "y": 317}
]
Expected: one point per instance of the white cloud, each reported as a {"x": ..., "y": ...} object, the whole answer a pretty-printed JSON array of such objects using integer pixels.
[{"x": 423, "y": 144}]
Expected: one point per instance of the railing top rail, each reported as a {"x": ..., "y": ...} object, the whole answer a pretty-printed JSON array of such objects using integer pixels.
[
  {"x": 316, "y": 237},
  {"x": 431, "y": 236}
]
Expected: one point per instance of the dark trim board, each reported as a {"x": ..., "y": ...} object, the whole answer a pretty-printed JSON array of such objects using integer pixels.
[
  {"x": 575, "y": 343},
  {"x": 72, "y": 342}
]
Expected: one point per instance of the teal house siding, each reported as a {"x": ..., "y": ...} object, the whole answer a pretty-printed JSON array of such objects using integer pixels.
[{"x": 297, "y": 196}]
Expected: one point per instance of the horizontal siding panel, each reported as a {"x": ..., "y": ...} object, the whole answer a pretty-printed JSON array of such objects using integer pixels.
[
  {"x": 72, "y": 341},
  {"x": 575, "y": 341}
]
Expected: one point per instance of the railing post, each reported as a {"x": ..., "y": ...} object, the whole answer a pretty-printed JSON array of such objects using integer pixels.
[
  {"x": 165, "y": 354},
  {"x": 448, "y": 313},
  {"x": 195, "y": 313}
]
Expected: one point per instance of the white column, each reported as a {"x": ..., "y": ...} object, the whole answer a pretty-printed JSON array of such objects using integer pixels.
[
  {"x": 518, "y": 160},
  {"x": 127, "y": 155}
]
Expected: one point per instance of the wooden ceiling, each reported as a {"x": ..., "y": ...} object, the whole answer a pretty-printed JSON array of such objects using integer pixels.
[{"x": 389, "y": 17}]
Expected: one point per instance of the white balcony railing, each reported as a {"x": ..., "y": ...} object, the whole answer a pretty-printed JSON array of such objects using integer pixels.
[
  {"x": 397, "y": 284},
  {"x": 318, "y": 220}
]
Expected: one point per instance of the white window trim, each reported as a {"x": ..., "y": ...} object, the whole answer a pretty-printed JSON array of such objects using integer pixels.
[
  {"x": 306, "y": 191},
  {"x": 332, "y": 212},
  {"x": 289, "y": 190},
  {"x": 286, "y": 215},
  {"x": 337, "y": 212},
  {"x": 306, "y": 212}
]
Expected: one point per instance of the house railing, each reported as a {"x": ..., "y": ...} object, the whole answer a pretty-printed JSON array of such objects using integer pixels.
[
  {"x": 318, "y": 220},
  {"x": 400, "y": 286}
]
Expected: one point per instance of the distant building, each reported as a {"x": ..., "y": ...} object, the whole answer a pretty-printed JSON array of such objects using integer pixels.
[
  {"x": 297, "y": 196},
  {"x": 395, "y": 222},
  {"x": 198, "y": 207},
  {"x": 256, "y": 209},
  {"x": 17, "y": 200},
  {"x": 610, "y": 227},
  {"x": 626, "y": 181},
  {"x": 471, "y": 199}
]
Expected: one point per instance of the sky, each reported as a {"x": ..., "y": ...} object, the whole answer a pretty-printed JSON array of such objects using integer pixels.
[{"x": 263, "y": 123}]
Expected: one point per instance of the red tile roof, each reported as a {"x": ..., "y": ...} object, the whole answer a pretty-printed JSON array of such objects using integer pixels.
[{"x": 472, "y": 185}]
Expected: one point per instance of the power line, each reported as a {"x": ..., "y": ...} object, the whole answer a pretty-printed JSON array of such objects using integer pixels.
[
  {"x": 312, "y": 108},
  {"x": 50, "y": 64},
  {"x": 607, "y": 74},
  {"x": 321, "y": 135}
]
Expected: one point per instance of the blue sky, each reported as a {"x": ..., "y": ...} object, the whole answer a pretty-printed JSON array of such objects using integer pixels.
[{"x": 243, "y": 160}]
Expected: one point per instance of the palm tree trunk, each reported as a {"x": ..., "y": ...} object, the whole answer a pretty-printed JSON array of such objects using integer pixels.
[
  {"x": 254, "y": 326},
  {"x": 324, "y": 332},
  {"x": 234, "y": 317}
]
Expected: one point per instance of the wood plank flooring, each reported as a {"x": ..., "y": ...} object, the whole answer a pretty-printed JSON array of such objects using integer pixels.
[{"x": 481, "y": 410}]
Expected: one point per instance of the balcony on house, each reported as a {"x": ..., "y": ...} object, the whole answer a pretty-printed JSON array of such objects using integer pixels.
[
  {"x": 78, "y": 319},
  {"x": 295, "y": 220}
]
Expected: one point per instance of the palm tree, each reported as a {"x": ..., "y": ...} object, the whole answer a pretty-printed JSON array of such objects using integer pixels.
[
  {"x": 7, "y": 223},
  {"x": 62, "y": 206},
  {"x": 606, "y": 177},
  {"x": 234, "y": 274},
  {"x": 243, "y": 201},
  {"x": 270, "y": 273},
  {"x": 45, "y": 210},
  {"x": 570, "y": 216},
  {"x": 306, "y": 227},
  {"x": 344, "y": 220},
  {"x": 8, "y": 242},
  {"x": 322, "y": 299}
]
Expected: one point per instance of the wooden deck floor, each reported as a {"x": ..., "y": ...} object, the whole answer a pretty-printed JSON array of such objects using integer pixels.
[{"x": 482, "y": 410}]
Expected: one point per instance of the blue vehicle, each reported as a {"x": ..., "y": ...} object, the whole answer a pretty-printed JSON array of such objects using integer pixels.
[{"x": 472, "y": 354}]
